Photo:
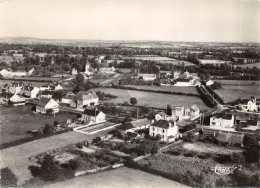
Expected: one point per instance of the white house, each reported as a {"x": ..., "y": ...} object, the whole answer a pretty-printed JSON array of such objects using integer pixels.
[
  {"x": 251, "y": 105},
  {"x": 108, "y": 70},
  {"x": 209, "y": 83},
  {"x": 193, "y": 111},
  {"x": 17, "y": 100},
  {"x": 74, "y": 71},
  {"x": 45, "y": 103},
  {"x": 84, "y": 99},
  {"x": 222, "y": 120},
  {"x": 147, "y": 77},
  {"x": 160, "y": 115},
  {"x": 56, "y": 87},
  {"x": 45, "y": 87},
  {"x": 178, "y": 111},
  {"x": 93, "y": 115},
  {"x": 30, "y": 91},
  {"x": 168, "y": 130},
  {"x": 15, "y": 88},
  {"x": 68, "y": 98},
  {"x": 45, "y": 94}
]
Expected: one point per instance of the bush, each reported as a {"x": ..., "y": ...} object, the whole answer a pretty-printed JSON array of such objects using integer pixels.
[
  {"x": 8, "y": 178},
  {"x": 35, "y": 170},
  {"x": 220, "y": 158},
  {"x": 73, "y": 164},
  {"x": 251, "y": 155}
]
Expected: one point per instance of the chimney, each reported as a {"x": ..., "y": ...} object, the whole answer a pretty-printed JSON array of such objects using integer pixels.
[{"x": 152, "y": 121}]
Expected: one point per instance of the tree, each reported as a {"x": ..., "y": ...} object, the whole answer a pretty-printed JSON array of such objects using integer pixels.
[
  {"x": 14, "y": 65},
  {"x": 66, "y": 67},
  {"x": 127, "y": 119},
  {"x": 49, "y": 169},
  {"x": 49, "y": 111},
  {"x": 48, "y": 129},
  {"x": 55, "y": 123},
  {"x": 169, "y": 110},
  {"x": 8, "y": 178},
  {"x": 133, "y": 101}
]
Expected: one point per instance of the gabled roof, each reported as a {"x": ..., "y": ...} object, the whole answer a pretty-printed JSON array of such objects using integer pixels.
[
  {"x": 136, "y": 123},
  {"x": 43, "y": 101},
  {"x": 91, "y": 112},
  {"x": 162, "y": 124},
  {"x": 83, "y": 95},
  {"x": 162, "y": 114},
  {"x": 69, "y": 95},
  {"x": 224, "y": 116}
]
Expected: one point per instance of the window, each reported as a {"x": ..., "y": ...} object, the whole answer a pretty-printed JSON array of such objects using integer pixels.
[
  {"x": 213, "y": 123},
  {"x": 153, "y": 134},
  {"x": 153, "y": 129},
  {"x": 163, "y": 131}
]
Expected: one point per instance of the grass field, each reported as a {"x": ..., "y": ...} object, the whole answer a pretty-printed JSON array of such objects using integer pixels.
[
  {"x": 15, "y": 121},
  {"x": 122, "y": 177},
  {"x": 34, "y": 84},
  {"x": 239, "y": 82},
  {"x": 230, "y": 93},
  {"x": 151, "y": 99},
  {"x": 191, "y": 89},
  {"x": 250, "y": 66}
]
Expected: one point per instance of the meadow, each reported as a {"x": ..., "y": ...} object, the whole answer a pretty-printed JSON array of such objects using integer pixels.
[
  {"x": 34, "y": 84},
  {"x": 15, "y": 121},
  {"x": 157, "y": 100}
]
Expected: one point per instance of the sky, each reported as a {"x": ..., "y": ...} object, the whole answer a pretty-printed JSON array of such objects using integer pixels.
[{"x": 162, "y": 20}]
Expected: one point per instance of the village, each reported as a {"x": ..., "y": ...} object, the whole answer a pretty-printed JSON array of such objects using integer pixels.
[{"x": 105, "y": 112}]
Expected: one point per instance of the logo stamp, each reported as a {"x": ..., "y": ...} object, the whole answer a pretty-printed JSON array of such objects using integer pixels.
[{"x": 221, "y": 170}]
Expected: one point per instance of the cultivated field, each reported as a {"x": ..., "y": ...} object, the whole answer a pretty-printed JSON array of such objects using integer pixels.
[
  {"x": 250, "y": 66},
  {"x": 150, "y": 99},
  {"x": 191, "y": 89},
  {"x": 15, "y": 121},
  {"x": 122, "y": 177}
]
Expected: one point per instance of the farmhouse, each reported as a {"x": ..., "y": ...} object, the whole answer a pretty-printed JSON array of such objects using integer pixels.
[
  {"x": 167, "y": 130},
  {"x": 70, "y": 96},
  {"x": 193, "y": 111},
  {"x": 29, "y": 91},
  {"x": 16, "y": 88},
  {"x": 84, "y": 99},
  {"x": 136, "y": 125},
  {"x": 147, "y": 77},
  {"x": 45, "y": 104},
  {"x": 160, "y": 115},
  {"x": 222, "y": 120},
  {"x": 93, "y": 115}
]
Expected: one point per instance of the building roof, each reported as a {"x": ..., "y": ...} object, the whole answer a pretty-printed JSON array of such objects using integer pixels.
[
  {"x": 162, "y": 114},
  {"x": 29, "y": 88},
  {"x": 224, "y": 116},
  {"x": 69, "y": 95},
  {"x": 47, "y": 92},
  {"x": 91, "y": 112},
  {"x": 43, "y": 101},
  {"x": 194, "y": 108},
  {"x": 83, "y": 95},
  {"x": 136, "y": 123},
  {"x": 252, "y": 122},
  {"x": 162, "y": 124}
]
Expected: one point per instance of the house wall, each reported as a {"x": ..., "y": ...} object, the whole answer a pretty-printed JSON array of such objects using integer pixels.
[
  {"x": 164, "y": 133},
  {"x": 99, "y": 118},
  {"x": 223, "y": 123},
  {"x": 34, "y": 92},
  {"x": 40, "y": 109},
  {"x": 80, "y": 103},
  {"x": 52, "y": 105},
  {"x": 159, "y": 117},
  {"x": 67, "y": 101}
]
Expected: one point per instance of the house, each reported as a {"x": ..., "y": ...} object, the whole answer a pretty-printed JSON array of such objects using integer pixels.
[
  {"x": 167, "y": 130},
  {"x": 160, "y": 115},
  {"x": 84, "y": 99},
  {"x": 136, "y": 125},
  {"x": 93, "y": 115},
  {"x": 45, "y": 104},
  {"x": 45, "y": 87},
  {"x": 56, "y": 87},
  {"x": 16, "y": 88},
  {"x": 178, "y": 111},
  {"x": 186, "y": 82},
  {"x": 147, "y": 77},
  {"x": 74, "y": 71},
  {"x": 108, "y": 70},
  {"x": 193, "y": 111},
  {"x": 17, "y": 100},
  {"x": 222, "y": 120},
  {"x": 209, "y": 83},
  {"x": 70, "y": 96},
  {"x": 29, "y": 91},
  {"x": 45, "y": 94},
  {"x": 251, "y": 105}
]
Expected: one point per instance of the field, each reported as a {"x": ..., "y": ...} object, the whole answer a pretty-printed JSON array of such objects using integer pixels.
[
  {"x": 191, "y": 89},
  {"x": 233, "y": 92},
  {"x": 150, "y": 99},
  {"x": 250, "y": 66},
  {"x": 161, "y": 60},
  {"x": 15, "y": 121},
  {"x": 239, "y": 82},
  {"x": 122, "y": 177},
  {"x": 20, "y": 163}
]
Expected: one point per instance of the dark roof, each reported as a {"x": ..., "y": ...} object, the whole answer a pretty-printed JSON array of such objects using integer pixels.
[
  {"x": 194, "y": 108},
  {"x": 224, "y": 116},
  {"x": 162, "y": 124},
  {"x": 252, "y": 122},
  {"x": 83, "y": 95},
  {"x": 183, "y": 80},
  {"x": 43, "y": 101},
  {"x": 91, "y": 112},
  {"x": 69, "y": 95},
  {"x": 30, "y": 88},
  {"x": 47, "y": 92}
]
